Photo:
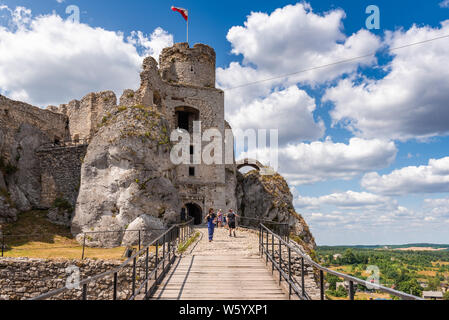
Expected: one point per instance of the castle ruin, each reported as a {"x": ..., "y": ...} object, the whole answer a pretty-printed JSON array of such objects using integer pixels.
[
  {"x": 183, "y": 90},
  {"x": 116, "y": 171}
]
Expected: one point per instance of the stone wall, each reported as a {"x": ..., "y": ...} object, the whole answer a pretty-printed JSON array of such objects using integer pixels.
[
  {"x": 60, "y": 174},
  {"x": 23, "y": 129},
  {"x": 86, "y": 115},
  {"x": 23, "y": 278}
]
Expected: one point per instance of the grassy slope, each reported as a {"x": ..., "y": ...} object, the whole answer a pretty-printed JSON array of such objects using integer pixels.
[{"x": 42, "y": 239}]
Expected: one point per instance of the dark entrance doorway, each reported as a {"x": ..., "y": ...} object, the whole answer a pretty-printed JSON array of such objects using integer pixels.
[{"x": 195, "y": 212}]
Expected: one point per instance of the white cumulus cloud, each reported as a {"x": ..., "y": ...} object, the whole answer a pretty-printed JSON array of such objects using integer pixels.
[
  {"x": 307, "y": 163},
  {"x": 289, "y": 39},
  {"x": 289, "y": 111},
  {"x": 411, "y": 101},
  {"x": 432, "y": 178},
  {"x": 46, "y": 60},
  {"x": 346, "y": 200}
]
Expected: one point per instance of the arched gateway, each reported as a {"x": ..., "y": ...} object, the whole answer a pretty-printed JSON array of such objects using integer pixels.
[
  {"x": 250, "y": 163},
  {"x": 194, "y": 211}
]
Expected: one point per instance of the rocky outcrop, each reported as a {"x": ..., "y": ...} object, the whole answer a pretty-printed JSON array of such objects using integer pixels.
[
  {"x": 8, "y": 212},
  {"x": 268, "y": 197},
  {"x": 127, "y": 178}
]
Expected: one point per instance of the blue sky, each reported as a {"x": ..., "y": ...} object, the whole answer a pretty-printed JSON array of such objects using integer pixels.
[{"x": 363, "y": 146}]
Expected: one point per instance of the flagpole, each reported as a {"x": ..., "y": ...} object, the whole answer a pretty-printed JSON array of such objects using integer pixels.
[{"x": 187, "y": 30}]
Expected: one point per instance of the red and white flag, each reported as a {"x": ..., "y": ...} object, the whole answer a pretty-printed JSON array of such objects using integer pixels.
[{"x": 182, "y": 11}]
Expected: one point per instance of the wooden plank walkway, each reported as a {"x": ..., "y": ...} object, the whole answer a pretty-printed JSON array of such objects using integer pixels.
[{"x": 234, "y": 272}]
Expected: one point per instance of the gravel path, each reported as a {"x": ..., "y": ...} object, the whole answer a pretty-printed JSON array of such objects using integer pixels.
[{"x": 245, "y": 244}]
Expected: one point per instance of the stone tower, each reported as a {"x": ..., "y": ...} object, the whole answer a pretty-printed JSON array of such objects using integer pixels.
[
  {"x": 184, "y": 89},
  {"x": 190, "y": 66}
]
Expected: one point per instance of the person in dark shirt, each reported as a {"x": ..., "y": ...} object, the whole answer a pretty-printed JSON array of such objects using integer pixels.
[
  {"x": 183, "y": 214},
  {"x": 211, "y": 219},
  {"x": 231, "y": 217}
]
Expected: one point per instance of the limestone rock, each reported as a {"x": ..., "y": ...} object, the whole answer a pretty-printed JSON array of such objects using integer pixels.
[
  {"x": 127, "y": 174},
  {"x": 269, "y": 198},
  {"x": 59, "y": 216},
  {"x": 7, "y": 211},
  {"x": 150, "y": 228}
]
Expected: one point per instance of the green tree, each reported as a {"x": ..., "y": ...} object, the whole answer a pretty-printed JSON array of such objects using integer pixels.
[
  {"x": 434, "y": 284},
  {"x": 411, "y": 286},
  {"x": 332, "y": 280},
  {"x": 349, "y": 257},
  {"x": 341, "y": 292}
]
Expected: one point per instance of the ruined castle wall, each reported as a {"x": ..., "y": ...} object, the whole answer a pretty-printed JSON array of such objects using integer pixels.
[
  {"x": 60, "y": 174},
  {"x": 23, "y": 129},
  {"x": 14, "y": 114},
  {"x": 86, "y": 116}
]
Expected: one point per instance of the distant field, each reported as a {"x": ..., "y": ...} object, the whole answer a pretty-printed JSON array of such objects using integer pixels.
[
  {"x": 421, "y": 249},
  {"x": 425, "y": 246},
  {"x": 407, "y": 268}
]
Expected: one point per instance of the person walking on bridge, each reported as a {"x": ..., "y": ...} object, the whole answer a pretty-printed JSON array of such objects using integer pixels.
[
  {"x": 211, "y": 219},
  {"x": 219, "y": 219},
  {"x": 231, "y": 217}
]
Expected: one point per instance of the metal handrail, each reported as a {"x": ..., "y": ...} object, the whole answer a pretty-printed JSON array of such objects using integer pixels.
[
  {"x": 283, "y": 232},
  {"x": 305, "y": 258},
  {"x": 263, "y": 220},
  {"x": 84, "y": 234},
  {"x": 161, "y": 240},
  {"x": 68, "y": 233}
]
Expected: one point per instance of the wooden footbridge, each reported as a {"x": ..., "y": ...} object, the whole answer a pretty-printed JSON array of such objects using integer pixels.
[
  {"x": 255, "y": 265},
  {"x": 226, "y": 269}
]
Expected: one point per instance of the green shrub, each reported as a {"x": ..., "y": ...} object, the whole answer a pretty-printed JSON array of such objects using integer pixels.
[
  {"x": 63, "y": 204},
  {"x": 7, "y": 168}
]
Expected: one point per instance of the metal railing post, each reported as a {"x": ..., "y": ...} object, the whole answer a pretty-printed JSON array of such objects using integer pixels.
[
  {"x": 169, "y": 248},
  {"x": 84, "y": 246},
  {"x": 157, "y": 261},
  {"x": 351, "y": 290},
  {"x": 134, "y": 276},
  {"x": 321, "y": 284},
  {"x": 280, "y": 261},
  {"x": 260, "y": 239},
  {"x": 182, "y": 234},
  {"x": 272, "y": 253},
  {"x": 114, "y": 296},
  {"x": 146, "y": 270},
  {"x": 289, "y": 273},
  {"x": 85, "y": 291},
  {"x": 139, "y": 241},
  {"x": 267, "y": 247},
  {"x": 3, "y": 244},
  {"x": 163, "y": 255},
  {"x": 303, "y": 285}
]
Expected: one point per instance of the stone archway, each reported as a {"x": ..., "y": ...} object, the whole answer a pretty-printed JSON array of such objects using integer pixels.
[
  {"x": 250, "y": 163},
  {"x": 194, "y": 211}
]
